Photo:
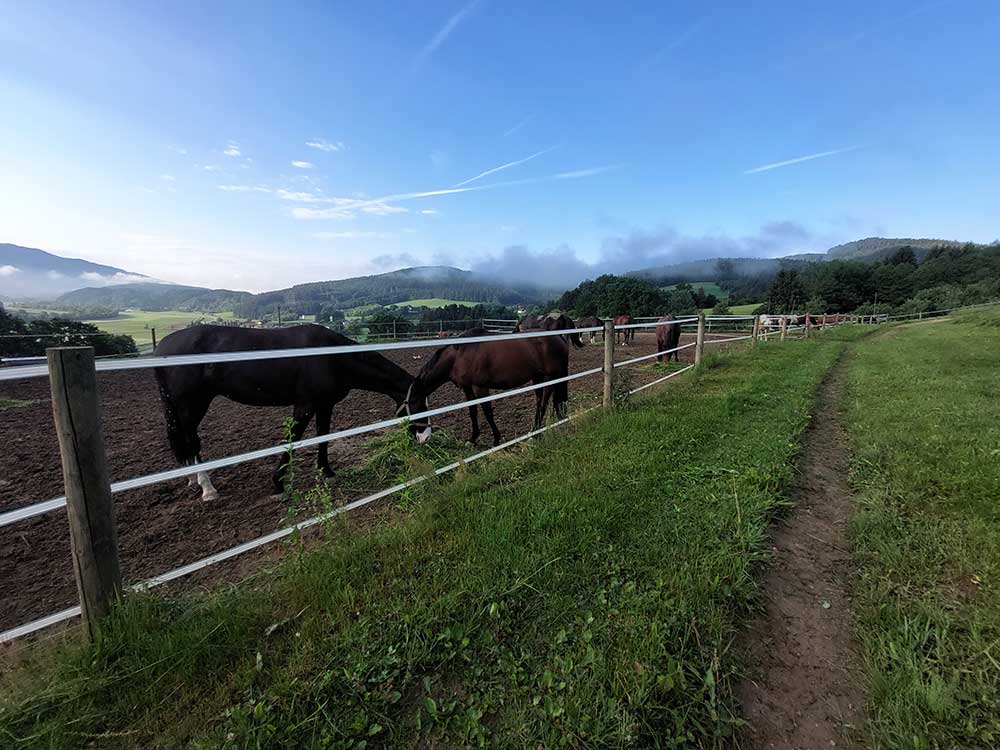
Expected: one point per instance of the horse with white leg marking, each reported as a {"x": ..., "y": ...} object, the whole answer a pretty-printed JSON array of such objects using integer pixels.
[{"x": 311, "y": 385}]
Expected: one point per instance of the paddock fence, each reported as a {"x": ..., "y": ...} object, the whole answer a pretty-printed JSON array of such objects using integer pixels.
[{"x": 72, "y": 373}]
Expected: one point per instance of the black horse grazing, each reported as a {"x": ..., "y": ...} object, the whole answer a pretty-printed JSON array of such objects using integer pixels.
[
  {"x": 668, "y": 337},
  {"x": 477, "y": 368},
  {"x": 311, "y": 385}
]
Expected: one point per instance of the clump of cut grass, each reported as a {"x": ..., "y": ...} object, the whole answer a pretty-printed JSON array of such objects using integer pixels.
[{"x": 13, "y": 403}]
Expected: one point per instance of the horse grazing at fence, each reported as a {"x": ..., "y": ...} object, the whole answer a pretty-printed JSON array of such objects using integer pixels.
[
  {"x": 590, "y": 322},
  {"x": 626, "y": 335},
  {"x": 312, "y": 385},
  {"x": 480, "y": 367},
  {"x": 668, "y": 337}
]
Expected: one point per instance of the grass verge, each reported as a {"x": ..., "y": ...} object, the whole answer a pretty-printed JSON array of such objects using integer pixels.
[
  {"x": 582, "y": 592},
  {"x": 924, "y": 417}
]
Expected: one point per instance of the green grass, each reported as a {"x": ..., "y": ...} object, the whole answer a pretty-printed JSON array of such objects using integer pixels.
[
  {"x": 137, "y": 323},
  {"x": 584, "y": 592},
  {"x": 744, "y": 309},
  {"x": 924, "y": 419},
  {"x": 436, "y": 302},
  {"x": 710, "y": 287},
  {"x": 13, "y": 403}
]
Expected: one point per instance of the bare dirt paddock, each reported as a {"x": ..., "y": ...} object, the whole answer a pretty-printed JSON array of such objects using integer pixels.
[{"x": 166, "y": 525}]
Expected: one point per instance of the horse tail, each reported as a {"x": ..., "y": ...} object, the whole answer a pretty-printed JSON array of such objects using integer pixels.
[{"x": 180, "y": 444}]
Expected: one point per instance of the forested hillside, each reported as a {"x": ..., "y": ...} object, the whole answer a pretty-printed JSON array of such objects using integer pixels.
[{"x": 389, "y": 288}]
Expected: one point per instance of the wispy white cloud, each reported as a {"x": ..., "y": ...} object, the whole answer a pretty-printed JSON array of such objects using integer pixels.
[
  {"x": 303, "y": 164},
  {"x": 347, "y": 208},
  {"x": 332, "y": 207},
  {"x": 443, "y": 33},
  {"x": 321, "y": 144},
  {"x": 210, "y": 168},
  {"x": 349, "y": 235},
  {"x": 810, "y": 157},
  {"x": 168, "y": 178},
  {"x": 502, "y": 167},
  {"x": 8, "y": 270},
  {"x": 245, "y": 188},
  {"x": 233, "y": 149},
  {"x": 519, "y": 125},
  {"x": 179, "y": 150},
  {"x": 887, "y": 24},
  {"x": 678, "y": 41},
  {"x": 589, "y": 172}
]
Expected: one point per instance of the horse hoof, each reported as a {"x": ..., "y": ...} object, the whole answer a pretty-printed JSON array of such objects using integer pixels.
[{"x": 210, "y": 497}]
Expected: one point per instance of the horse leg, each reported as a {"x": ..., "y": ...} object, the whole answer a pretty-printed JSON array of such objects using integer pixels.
[
  {"x": 473, "y": 415},
  {"x": 542, "y": 406},
  {"x": 487, "y": 407},
  {"x": 301, "y": 416},
  {"x": 323, "y": 428},
  {"x": 182, "y": 431}
]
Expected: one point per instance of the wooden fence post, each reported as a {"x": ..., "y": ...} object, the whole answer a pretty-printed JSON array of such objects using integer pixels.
[
  {"x": 153, "y": 332},
  {"x": 699, "y": 347},
  {"x": 784, "y": 326},
  {"x": 609, "y": 362},
  {"x": 808, "y": 324},
  {"x": 92, "y": 534},
  {"x": 756, "y": 330}
]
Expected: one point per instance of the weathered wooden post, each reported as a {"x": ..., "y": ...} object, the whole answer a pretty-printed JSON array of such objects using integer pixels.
[
  {"x": 784, "y": 326},
  {"x": 92, "y": 534},
  {"x": 756, "y": 330},
  {"x": 394, "y": 330},
  {"x": 808, "y": 324},
  {"x": 699, "y": 347},
  {"x": 609, "y": 362},
  {"x": 152, "y": 331}
]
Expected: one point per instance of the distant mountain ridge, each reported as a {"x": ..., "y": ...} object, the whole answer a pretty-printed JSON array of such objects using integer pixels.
[
  {"x": 393, "y": 287},
  {"x": 156, "y": 296},
  {"x": 27, "y": 272},
  {"x": 869, "y": 249},
  {"x": 420, "y": 282}
]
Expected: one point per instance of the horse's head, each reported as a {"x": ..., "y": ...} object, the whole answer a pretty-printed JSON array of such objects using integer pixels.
[{"x": 415, "y": 402}]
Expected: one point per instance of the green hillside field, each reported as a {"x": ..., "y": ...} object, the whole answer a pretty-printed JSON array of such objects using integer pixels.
[
  {"x": 137, "y": 323},
  {"x": 436, "y": 302}
]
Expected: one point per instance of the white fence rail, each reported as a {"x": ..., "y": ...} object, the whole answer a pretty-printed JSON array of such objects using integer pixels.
[{"x": 47, "y": 506}]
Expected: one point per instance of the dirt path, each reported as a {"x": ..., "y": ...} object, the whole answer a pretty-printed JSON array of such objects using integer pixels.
[{"x": 803, "y": 690}]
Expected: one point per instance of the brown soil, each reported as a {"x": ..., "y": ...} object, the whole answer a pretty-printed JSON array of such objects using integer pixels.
[
  {"x": 803, "y": 690},
  {"x": 166, "y": 525}
]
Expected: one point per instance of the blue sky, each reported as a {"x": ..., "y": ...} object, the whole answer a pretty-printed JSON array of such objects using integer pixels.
[{"x": 256, "y": 145}]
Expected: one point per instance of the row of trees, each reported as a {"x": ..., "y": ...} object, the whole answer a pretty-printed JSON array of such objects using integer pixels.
[
  {"x": 23, "y": 338},
  {"x": 432, "y": 320},
  {"x": 610, "y": 295},
  {"x": 946, "y": 277}
]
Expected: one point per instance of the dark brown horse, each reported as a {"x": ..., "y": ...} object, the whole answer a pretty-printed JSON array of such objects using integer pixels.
[
  {"x": 626, "y": 335},
  {"x": 310, "y": 385},
  {"x": 668, "y": 337},
  {"x": 591, "y": 321},
  {"x": 510, "y": 363}
]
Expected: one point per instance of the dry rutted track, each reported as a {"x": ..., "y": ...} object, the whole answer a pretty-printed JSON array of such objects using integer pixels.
[
  {"x": 803, "y": 689},
  {"x": 166, "y": 525}
]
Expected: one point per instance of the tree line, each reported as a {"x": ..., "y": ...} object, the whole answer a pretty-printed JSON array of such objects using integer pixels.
[
  {"x": 948, "y": 276},
  {"x": 610, "y": 295},
  {"x": 30, "y": 338}
]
